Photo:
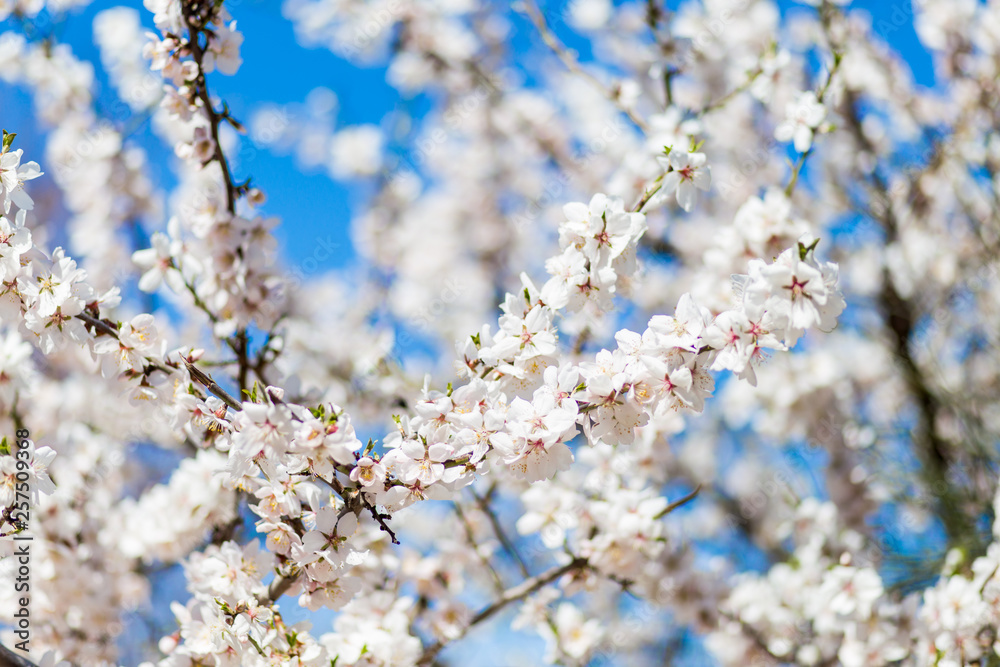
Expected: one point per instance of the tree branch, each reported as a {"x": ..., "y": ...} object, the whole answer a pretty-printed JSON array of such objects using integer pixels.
[
  {"x": 10, "y": 659},
  {"x": 572, "y": 64},
  {"x": 201, "y": 90},
  {"x": 514, "y": 594},
  {"x": 899, "y": 320},
  {"x": 210, "y": 384}
]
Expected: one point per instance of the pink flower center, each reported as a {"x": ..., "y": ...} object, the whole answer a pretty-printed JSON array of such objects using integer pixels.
[{"x": 797, "y": 288}]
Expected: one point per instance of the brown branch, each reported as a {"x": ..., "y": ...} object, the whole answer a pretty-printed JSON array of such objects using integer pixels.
[
  {"x": 508, "y": 545},
  {"x": 280, "y": 586},
  {"x": 98, "y": 324},
  {"x": 678, "y": 503},
  {"x": 470, "y": 537},
  {"x": 379, "y": 518},
  {"x": 239, "y": 343},
  {"x": 900, "y": 316},
  {"x": 201, "y": 90},
  {"x": 10, "y": 659},
  {"x": 105, "y": 327},
  {"x": 210, "y": 384},
  {"x": 514, "y": 594},
  {"x": 572, "y": 64}
]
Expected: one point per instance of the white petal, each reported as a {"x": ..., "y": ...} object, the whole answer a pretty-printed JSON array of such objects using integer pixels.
[{"x": 686, "y": 195}]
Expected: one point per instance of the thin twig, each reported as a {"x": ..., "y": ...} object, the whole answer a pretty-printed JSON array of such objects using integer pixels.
[
  {"x": 654, "y": 14},
  {"x": 98, "y": 324},
  {"x": 240, "y": 342},
  {"x": 572, "y": 64},
  {"x": 210, "y": 384},
  {"x": 580, "y": 341},
  {"x": 498, "y": 530},
  {"x": 470, "y": 537},
  {"x": 201, "y": 90},
  {"x": 678, "y": 503},
  {"x": 648, "y": 194},
  {"x": 797, "y": 169},
  {"x": 514, "y": 594},
  {"x": 380, "y": 519},
  {"x": 722, "y": 101}
]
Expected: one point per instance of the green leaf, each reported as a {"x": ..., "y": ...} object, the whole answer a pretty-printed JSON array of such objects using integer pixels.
[
  {"x": 254, "y": 393},
  {"x": 805, "y": 250},
  {"x": 4, "y": 447},
  {"x": 8, "y": 139}
]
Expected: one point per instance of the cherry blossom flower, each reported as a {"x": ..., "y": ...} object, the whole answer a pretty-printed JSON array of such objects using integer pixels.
[
  {"x": 803, "y": 118},
  {"x": 158, "y": 263},
  {"x": 368, "y": 472},
  {"x": 224, "y": 50},
  {"x": 13, "y": 174},
  {"x": 688, "y": 174}
]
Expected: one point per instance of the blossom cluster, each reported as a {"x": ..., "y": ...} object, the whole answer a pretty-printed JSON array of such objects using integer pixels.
[{"x": 519, "y": 411}]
